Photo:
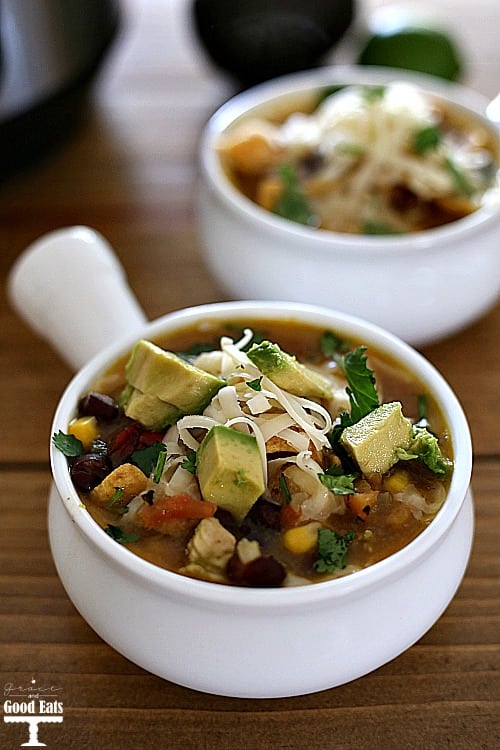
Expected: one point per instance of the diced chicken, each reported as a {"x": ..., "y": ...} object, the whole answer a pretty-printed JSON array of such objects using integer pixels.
[
  {"x": 120, "y": 486},
  {"x": 209, "y": 551},
  {"x": 277, "y": 444}
]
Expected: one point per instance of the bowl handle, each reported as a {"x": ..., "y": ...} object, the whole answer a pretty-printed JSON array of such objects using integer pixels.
[{"x": 71, "y": 289}]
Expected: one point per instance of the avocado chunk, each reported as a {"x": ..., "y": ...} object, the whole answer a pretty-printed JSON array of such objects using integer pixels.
[
  {"x": 229, "y": 470},
  {"x": 150, "y": 410},
  {"x": 287, "y": 373},
  {"x": 374, "y": 440},
  {"x": 162, "y": 381}
]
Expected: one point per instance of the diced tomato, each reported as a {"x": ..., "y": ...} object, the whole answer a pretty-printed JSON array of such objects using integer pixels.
[
  {"x": 361, "y": 503},
  {"x": 289, "y": 516},
  {"x": 124, "y": 443},
  {"x": 177, "y": 506},
  {"x": 149, "y": 437}
]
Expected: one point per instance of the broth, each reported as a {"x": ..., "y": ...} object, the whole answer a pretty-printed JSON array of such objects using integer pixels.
[{"x": 381, "y": 513}]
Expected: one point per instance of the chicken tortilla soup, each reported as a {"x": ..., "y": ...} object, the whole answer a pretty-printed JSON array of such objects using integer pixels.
[
  {"x": 372, "y": 160},
  {"x": 259, "y": 454}
]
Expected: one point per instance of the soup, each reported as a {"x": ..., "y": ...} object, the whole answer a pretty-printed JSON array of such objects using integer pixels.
[
  {"x": 272, "y": 455},
  {"x": 363, "y": 159}
]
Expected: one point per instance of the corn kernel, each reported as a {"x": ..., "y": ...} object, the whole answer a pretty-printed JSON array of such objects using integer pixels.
[
  {"x": 302, "y": 539},
  {"x": 85, "y": 429},
  {"x": 397, "y": 482}
]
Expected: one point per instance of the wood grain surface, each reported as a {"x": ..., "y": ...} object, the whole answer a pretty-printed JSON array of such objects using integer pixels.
[{"x": 130, "y": 172}]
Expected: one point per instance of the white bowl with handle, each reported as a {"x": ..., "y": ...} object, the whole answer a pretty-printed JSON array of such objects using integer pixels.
[{"x": 234, "y": 641}]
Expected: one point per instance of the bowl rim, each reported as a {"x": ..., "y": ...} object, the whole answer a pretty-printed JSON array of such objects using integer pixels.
[
  {"x": 250, "y": 212},
  {"x": 211, "y": 594}
]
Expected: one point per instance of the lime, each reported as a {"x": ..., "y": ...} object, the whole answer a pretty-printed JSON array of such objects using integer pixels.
[{"x": 422, "y": 49}]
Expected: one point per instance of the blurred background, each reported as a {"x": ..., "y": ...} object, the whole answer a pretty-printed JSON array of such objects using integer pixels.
[{"x": 54, "y": 53}]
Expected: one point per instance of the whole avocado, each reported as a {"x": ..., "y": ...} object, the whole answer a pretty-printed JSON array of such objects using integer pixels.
[{"x": 256, "y": 40}]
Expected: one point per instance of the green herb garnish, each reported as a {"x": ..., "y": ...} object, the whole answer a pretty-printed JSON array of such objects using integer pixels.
[
  {"x": 363, "y": 396},
  {"x": 189, "y": 463},
  {"x": 117, "y": 533},
  {"x": 69, "y": 445},
  {"x": 422, "y": 411},
  {"x": 146, "y": 458},
  {"x": 285, "y": 492},
  {"x": 426, "y": 139},
  {"x": 425, "y": 447},
  {"x": 332, "y": 550},
  {"x": 292, "y": 203},
  {"x": 326, "y": 92},
  {"x": 240, "y": 477},
  {"x": 117, "y": 495},
  {"x": 337, "y": 481},
  {"x": 333, "y": 347},
  {"x": 160, "y": 464},
  {"x": 255, "y": 385},
  {"x": 372, "y": 93},
  {"x": 462, "y": 185},
  {"x": 350, "y": 149},
  {"x": 363, "y": 399},
  {"x": 378, "y": 227},
  {"x": 196, "y": 349}
]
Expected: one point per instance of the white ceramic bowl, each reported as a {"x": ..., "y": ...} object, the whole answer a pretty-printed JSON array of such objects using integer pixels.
[
  {"x": 222, "y": 639},
  {"x": 421, "y": 286},
  {"x": 250, "y": 642}
]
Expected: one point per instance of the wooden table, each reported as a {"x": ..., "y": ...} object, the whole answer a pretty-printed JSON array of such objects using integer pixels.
[{"x": 130, "y": 173}]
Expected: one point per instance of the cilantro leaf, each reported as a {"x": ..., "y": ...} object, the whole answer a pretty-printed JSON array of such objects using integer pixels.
[
  {"x": 332, "y": 346},
  {"x": 327, "y": 91},
  {"x": 69, "y": 445},
  {"x": 160, "y": 464},
  {"x": 147, "y": 458},
  {"x": 425, "y": 447},
  {"x": 332, "y": 550},
  {"x": 117, "y": 533},
  {"x": 462, "y": 185},
  {"x": 256, "y": 384},
  {"x": 363, "y": 396},
  {"x": 422, "y": 411},
  {"x": 117, "y": 495},
  {"x": 426, "y": 138},
  {"x": 337, "y": 481},
  {"x": 372, "y": 93},
  {"x": 378, "y": 227},
  {"x": 285, "y": 492},
  {"x": 292, "y": 203},
  {"x": 196, "y": 349},
  {"x": 189, "y": 463}
]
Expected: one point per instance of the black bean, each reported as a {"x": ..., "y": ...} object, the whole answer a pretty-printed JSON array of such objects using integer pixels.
[
  {"x": 88, "y": 471},
  {"x": 266, "y": 514},
  {"x": 263, "y": 572},
  {"x": 98, "y": 405}
]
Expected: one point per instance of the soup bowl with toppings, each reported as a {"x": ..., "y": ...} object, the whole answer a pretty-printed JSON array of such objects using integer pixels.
[
  {"x": 260, "y": 499},
  {"x": 371, "y": 191}
]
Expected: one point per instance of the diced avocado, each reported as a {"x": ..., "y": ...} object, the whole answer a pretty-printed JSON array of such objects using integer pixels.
[
  {"x": 374, "y": 440},
  {"x": 159, "y": 373},
  {"x": 229, "y": 470},
  {"x": 286, "y": 372},
  {"x": 150, "y": 410}
]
